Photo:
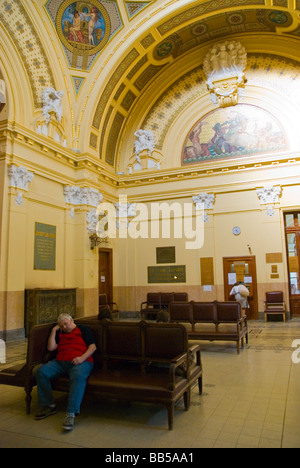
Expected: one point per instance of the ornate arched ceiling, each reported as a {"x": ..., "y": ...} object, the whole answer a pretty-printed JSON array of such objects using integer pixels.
[{"x": 146, "y": 59}]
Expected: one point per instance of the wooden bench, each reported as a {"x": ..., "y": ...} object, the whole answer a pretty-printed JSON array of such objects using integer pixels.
[
  {"x": 156, "y": 302},
  {"x": 221, "y": 321},
  {"x": 134, "y": 361}
]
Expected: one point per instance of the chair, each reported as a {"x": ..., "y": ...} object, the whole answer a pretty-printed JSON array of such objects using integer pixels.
[
  {"x": 152, "y": 306},
  {"x": 103, "y": 304},
  {"x": 274, "y": 304}
]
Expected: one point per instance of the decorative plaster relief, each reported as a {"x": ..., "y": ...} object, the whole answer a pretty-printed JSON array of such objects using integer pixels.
[
  {"x": 52, "y": 102},
  {"x": 82, "y": 196},
  {"x": 224, "y": 66},
  {"x": 269, "y": 195},
  {"x": 92, "y": 220},
  {"x": 19, "y": 177},
  {"x": 204, "y": 201},
  {"x": 144, "y": 141}
]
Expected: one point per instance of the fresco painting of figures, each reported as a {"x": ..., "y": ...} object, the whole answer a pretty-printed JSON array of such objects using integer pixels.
[
  {"x": 83, "y": 25},
  {"x": 242, "y": 130}
]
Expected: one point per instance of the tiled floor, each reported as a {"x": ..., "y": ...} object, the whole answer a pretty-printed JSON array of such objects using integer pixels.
[{"x": 250, "y": 400}]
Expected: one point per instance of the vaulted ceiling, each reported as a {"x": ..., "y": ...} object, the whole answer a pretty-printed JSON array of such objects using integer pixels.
[{"x": 142, "y": 68}]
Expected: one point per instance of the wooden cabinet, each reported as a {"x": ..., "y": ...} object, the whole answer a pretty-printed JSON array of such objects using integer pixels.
[{"x": 45, "y": 305}]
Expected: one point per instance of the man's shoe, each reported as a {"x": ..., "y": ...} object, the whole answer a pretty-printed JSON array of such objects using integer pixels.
[
  {"x": 46, "y": 412},
  {"x": 68, "y": 424}
]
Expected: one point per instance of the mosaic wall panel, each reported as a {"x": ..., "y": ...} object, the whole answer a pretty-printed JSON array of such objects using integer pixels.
[
  {"x": 242, "y": 130},
  {"x": 134, "y": 8},
  {"x": 84, "y": 28},
  {"x": 24, "y": 36}
]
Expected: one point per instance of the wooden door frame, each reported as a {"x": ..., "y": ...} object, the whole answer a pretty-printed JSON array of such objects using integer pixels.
[
  {"x": 110, "y": 252},
  {"x": 251, "y": 258}
]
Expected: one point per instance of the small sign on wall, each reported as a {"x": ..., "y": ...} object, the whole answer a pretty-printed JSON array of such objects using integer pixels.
[{"x": 44, "y": 246}]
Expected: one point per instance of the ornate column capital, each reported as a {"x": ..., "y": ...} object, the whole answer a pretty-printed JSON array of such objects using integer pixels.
[
  {"x": 82, "y": 196},
  {"x": 19, "y": 177},
  {"x": 204, "y": 201},
  {"x": 269, "y": 195}
]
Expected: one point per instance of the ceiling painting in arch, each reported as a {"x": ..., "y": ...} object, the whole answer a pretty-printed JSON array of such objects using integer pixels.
[
  {"x": 238, "y": 131},
  {"x": 84, "y": 28}
]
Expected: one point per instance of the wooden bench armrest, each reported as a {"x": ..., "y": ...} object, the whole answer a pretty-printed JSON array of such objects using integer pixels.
[{"x": 176, "y": 362}]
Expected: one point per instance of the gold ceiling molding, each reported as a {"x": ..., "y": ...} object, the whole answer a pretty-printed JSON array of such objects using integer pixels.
[
  {"x": 203, "y": 9},
  {"x": 25, "y": 38}
]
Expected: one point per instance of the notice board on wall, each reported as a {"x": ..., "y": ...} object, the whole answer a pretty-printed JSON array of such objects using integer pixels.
[
  {"x": 44, "y": 246},
  {"x": 207, "y": 271},
  {"x": 167, "y": 274}
]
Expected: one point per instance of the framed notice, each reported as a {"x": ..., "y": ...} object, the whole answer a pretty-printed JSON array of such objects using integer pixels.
[
  {"x": 44, "y": 246},
  {"x": 165, "y": 255},
  {"x": 167, "y": 274}
]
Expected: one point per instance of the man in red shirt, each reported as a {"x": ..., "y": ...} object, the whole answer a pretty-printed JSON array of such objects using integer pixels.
[{"x": 75, "y": 345}]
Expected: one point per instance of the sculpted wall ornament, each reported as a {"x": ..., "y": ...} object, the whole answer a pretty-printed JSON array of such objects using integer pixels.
[
  {"x": 85, "y": 196},
  {"x": 19, "y": 177},
  {"x": 124, "y": 211},
  {"x": 52, "y": 102},
  {"x": 224, "y": 66},
  {"x": 144, "y": 141},
  {"x": 269, "y": 195},
  {"x": 204, "y": 201},
  {"x": 82, "y": 196}
]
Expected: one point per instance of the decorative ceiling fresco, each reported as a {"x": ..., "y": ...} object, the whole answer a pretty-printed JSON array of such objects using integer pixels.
[
  {"x": 84, "y": 28},
  {"x": 241, "y": 130}
]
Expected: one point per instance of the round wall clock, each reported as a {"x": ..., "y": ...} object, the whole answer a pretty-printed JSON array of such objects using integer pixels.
[{"x": 236, "y": 230}]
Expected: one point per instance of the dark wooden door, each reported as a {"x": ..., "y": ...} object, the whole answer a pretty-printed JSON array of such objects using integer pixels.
[
  {"x": 242, "y": 269},
  {"x": 105, "y": 273},
  {"x": 292, "y": 234}
]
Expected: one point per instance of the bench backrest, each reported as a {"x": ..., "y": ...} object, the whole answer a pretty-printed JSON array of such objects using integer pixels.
[
  {"x": 205, "y": 312},
  {"x": 181, "y": 312},
  {"x": 136, "y": 341},
  {"x": 165, "y": 298},
  {"x": 181, "y": 297},
  {"x": 164, "y": 341},
  {"x": 228, "y": 311},
  {"x": 153, "y": 298},
  {"x": 122, "y": 340},
  {"x": 274, "y": 297}
]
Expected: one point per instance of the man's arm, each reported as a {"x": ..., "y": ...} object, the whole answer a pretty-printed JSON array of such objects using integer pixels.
[
  {"x": 79, "y": 360},
  {"x": 52, "y": 345}
]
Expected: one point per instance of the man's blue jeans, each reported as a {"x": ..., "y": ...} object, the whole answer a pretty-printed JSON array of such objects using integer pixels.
[{"x": 78, "y": 376}]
